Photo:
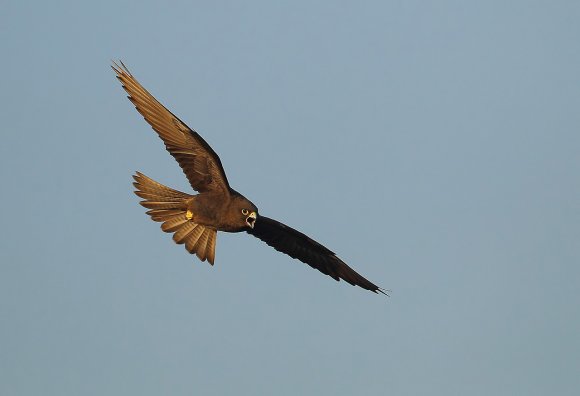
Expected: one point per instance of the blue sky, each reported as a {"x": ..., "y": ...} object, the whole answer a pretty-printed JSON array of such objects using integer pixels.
[{"x": 432, "y": 145}]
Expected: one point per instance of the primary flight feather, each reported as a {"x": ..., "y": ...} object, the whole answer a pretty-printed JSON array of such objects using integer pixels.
[{"x": 195, "y": 219}]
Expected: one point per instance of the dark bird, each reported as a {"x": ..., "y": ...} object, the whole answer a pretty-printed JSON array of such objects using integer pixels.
[{"x": 195, "y": 220}]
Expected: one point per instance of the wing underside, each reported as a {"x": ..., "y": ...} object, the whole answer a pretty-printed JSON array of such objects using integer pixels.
[
  {"x": 297, "y": 245},
  {"x": 201, "y": 165}
]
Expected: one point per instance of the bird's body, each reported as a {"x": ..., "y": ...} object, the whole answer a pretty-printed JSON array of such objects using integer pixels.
[
  {"x": 195, "y": 219},
  {"x": 211, "y": 210}
]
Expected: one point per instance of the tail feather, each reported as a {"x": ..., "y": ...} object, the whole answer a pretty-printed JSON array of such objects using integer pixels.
[
  {"x": 201, "y": 245},
  {"x": 162, "y": 204},
  {"x": 192, "y": 238},
  {"x": 210, "y": 247},
  {"x": 183, "y": 231},
  {"x": 173, "y": 223},
  {"x": 169, "y": 206},
  {"x": 163, "y": 214},
  {"x": 147, "y": 185}
]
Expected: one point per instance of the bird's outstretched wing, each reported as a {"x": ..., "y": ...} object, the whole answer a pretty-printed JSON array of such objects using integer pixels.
[
  {"x": 299, "y": 246},
  {"x": 199, "y": 162}
]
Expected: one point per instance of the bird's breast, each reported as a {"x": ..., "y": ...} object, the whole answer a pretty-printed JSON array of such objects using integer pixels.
[{"x": 214, "y": 211}]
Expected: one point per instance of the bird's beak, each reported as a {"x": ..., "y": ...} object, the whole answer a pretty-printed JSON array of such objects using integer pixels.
[{"x": 251, "y": 219}]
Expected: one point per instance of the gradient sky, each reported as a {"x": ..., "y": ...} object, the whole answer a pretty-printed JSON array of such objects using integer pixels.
[{"x": 433, "y": 145}]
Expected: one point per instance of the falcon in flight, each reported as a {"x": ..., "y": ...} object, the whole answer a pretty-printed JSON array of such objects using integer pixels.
[{"x": 195, "y": 220}]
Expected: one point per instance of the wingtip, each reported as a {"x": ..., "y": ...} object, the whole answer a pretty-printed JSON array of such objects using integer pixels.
[
  {"x": 115, "y": 67},
  {"x": 120, "y": 68}
]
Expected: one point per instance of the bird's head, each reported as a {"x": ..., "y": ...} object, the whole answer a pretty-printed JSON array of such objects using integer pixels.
[{"x": 244, "y": 212}]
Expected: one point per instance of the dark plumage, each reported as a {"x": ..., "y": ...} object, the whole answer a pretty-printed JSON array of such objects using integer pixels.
[{"x": 195, "y": 219}]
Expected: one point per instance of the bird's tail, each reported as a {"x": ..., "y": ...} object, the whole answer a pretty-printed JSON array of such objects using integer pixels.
[
  {"x": 156, "y": 196},
  {"x": 170, "y": 207}
]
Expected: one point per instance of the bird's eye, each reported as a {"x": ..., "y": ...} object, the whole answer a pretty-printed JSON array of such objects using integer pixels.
[{"x": 245, "y": 212}]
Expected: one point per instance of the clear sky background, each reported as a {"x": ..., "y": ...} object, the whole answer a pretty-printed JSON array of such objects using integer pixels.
[{"x": 433, "y": 145}]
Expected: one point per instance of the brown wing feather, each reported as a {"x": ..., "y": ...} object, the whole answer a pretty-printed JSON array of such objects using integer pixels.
[
  {"x": 299, "y": 246},
  {"x": 199, "y": 162}
]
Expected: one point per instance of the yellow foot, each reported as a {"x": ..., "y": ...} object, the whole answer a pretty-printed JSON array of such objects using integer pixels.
[{"x": 189, "y": 214}]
